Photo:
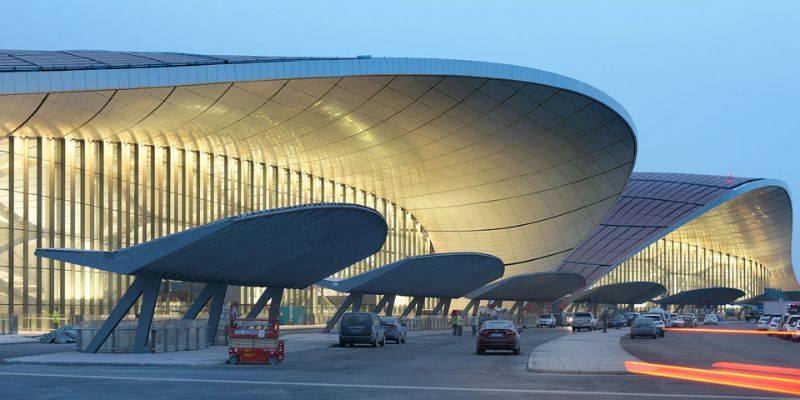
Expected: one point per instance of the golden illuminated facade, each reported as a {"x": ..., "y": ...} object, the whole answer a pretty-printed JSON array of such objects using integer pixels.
[
  {"x": 682, "y": 266},
  {"x": 106, "y": 196}
]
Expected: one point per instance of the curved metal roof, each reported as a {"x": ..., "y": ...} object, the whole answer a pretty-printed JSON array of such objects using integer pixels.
[
  {"x": 511, "y": 161},
  {"x": 750, "y": 218},
  {"x": 620, "y": 293},
  {"x": 538, "y": 286},
  {"x": 290, "y": 247},
  {"x": 706, "y": 296},
  {"x": 448, "y": 275}
]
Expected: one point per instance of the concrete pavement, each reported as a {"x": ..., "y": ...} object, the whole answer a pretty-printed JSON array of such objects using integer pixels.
[{"x": 592, "y": 352}]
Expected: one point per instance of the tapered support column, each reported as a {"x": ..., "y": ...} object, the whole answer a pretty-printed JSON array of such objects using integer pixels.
[
  {"x": 352, "y": 299},
  {"x": 382, "y": 303},
  {"x": 420, "y": 306},
  {"x": 272, "y": 294},
  {"x": 390, "y": 305},
  {"x": 472, "y": 305},
  {"x": 415, "y": 303},
  {"x": 446, "y": 307},
  {"x": 439, "y": 306},
  {"x": 497, "y": 303},
  {"x": 216, "y": 293},
  {"x": 147, "y": 288}
]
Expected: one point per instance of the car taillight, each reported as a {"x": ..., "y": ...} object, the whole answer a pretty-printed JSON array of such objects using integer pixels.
[{"x": 509, "y": 332}]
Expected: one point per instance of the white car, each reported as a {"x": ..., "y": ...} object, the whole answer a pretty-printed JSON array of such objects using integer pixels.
[
  {"x": 774, "y": 323},
  {"x": 548, "y": 320},
  {"x": 763, "y": 323},
  {"x": 710, "y": 319},
  {"x": 659, "y": 322},
  {"x": 690, "y": 321},
  {"x": 677, "y": 322},
  {"x": 790, "y": 327}
]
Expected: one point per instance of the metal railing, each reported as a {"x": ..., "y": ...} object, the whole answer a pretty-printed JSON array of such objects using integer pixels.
[
  {"x": 9, "y": 325},
  {"x": 164, "y": 336}
]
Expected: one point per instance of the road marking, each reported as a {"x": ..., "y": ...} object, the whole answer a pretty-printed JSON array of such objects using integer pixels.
[{"x": 397, "y": 387}]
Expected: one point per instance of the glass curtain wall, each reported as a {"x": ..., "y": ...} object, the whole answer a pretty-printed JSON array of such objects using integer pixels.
[
  {"x": 108, "y": 195},
  {"x": 682, "y": 266}
]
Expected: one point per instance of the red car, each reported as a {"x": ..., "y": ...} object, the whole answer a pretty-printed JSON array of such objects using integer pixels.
[{"x": 498, "y": 335}]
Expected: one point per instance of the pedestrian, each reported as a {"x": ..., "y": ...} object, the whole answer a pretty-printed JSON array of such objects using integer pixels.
[
  {"x": 453, "y": 322},
  {"x": 459, "y": 324},
  {"x": 233, "y": 312},
  {"x": 474, "y": 325},
  {"x": 56, "y": 316}
]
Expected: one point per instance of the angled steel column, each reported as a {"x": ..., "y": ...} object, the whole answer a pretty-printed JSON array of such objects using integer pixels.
[
  {"x": 269, "y": 294},
  {"x": 145, "y": 286},
  {"x": 216, "y": 293},
  {"x": 274, "y": 313},
  {"x": 409, "y": 307},
  {"x": 390, "y": 305},
  {"x": 381, "y": 304},
  {"x": 497, "y": 303},
  {"x": 348, "y": 301},
  {"x": 472, "y": 305},
  {"x": 446, "y": 308},
  {"x": 420, "y": 305},
  {"x": 357, "y": 301},
  {"x": 439, "y": 306}
]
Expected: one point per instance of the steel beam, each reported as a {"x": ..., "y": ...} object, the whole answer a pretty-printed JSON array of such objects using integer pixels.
[
  {"x": 274, "y": 294},
  {"x": 390, "y": 305},
  {"x": 349, "y": 301},
  {"x": 216, "y": 293},
  {"x": 147, "y": 288}
]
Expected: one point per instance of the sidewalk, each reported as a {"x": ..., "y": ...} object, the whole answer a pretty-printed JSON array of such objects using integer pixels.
[
  {"x": 582, "y": 353},
  {"x": 210, "y": 357},
  {"x": 17, "y": 339}
]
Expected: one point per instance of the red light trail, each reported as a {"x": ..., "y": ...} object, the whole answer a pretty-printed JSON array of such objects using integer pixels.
[{"x": 761, "y": 381}]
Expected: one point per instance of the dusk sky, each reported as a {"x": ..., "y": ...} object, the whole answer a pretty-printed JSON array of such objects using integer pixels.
[{"x": 713, "y": 87}]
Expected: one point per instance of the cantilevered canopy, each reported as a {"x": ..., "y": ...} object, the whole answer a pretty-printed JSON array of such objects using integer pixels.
[
  {"x": 506, "y": 160},
  {"x": 747, "y": 217},
  {"x": 447, "y": 275},
  {"x": 621, "y": 293},
  {"x": 538, "y": 286},
  {"x": 288, "y": 247},
  {"x": 707, "y": 296}
]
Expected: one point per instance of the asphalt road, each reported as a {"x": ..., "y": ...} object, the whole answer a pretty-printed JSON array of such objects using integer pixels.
[
  {"x": 437, "y": 365},
  {"x": 701, "y": 349}
]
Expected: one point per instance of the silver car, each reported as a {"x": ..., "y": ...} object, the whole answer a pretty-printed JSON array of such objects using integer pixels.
[
  {"x": 643, "y": 326},
  {"x": 394, "y": 329}
]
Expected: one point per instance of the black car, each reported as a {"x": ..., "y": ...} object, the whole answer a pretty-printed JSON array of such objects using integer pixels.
[
  {"x": 617, "y": 321},
  {"x": 361, "y": 327}
]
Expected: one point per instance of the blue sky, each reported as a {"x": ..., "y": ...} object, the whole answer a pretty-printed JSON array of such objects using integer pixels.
[{"x": 713, "y": 87}]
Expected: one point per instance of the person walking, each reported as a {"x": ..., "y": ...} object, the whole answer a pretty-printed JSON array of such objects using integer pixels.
[
  {"x": 459, "y": 324},
  {"x": 453, "y": 322},
  {"x": 55, "y": 316},
  {"x": 474, "y": 325}
]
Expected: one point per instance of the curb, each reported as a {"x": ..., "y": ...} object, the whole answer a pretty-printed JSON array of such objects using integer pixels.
[
  {"x": 575, "y": 372},
  {"x": 110, "y": 364}
]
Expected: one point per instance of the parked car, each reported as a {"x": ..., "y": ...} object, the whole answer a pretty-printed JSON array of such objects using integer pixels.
[
  {"x": 548, "y": 320},
  {"x": 663, "y": 314},
  {"x": 790, "y": 327},
  {"x": 630, "y": 317},
  {"x": 658, "y": 322},
  {"x": 752, "y": 316},
  {"x": 689, "y": 321},
  {"x": 774, "y": 324},
  {"x": 584, "y": 320},
  {"x": 394, "y": 329},
  {"x": 677, "y": 322},
  {"x": 710, "y": 319},
  {"x": 361, "y": 327},
  {"x": 498, "y": 335},
  {"x": 643, "y": 326},
  {"x": 617, "y": 321},
  {"x": 763, "y": 322}
]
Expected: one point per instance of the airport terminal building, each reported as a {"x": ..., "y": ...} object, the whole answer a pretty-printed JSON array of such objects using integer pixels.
[{"x": 106, "y": 150}]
